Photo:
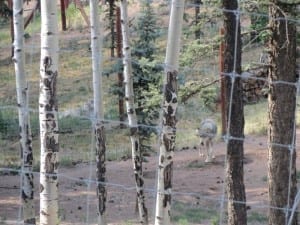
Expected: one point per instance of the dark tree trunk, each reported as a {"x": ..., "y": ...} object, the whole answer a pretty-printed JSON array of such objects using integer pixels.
[
  {"x": 237, "y": 214},
  {"x": 112, "y": 27},
  {"x": 197, "y": 18},
  {"x": 120, "y": 73},
  {"x": 63, "y": 15},
  {"x": 282, "y": 103}
]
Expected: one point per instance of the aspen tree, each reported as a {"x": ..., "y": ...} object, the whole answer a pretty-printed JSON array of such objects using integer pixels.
[
  {"x": 132, "y": 119},
  {"x": 48, "y": 114},
  {"x": 24, "y": 120},
  {"x": 168, "y": 132},
  {"x": 96, "y": 47}
]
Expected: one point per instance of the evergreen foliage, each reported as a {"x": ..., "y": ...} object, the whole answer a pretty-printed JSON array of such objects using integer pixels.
[
  {"x": 5, "y": 11},
  {"x": 258, "y": 21},
  {"x": 146, "y": 71},
  {"x": 201, "y": 41}
]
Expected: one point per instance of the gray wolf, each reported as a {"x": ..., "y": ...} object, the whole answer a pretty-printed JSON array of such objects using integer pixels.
[{"x": 207, "y": 132}]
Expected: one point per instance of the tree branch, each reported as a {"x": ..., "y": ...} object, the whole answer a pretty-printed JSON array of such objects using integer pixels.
[{"x": 186, "y": 96}]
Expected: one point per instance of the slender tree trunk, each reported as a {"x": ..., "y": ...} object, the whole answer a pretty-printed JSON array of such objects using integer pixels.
[
  {"x": 112, "y": 27},
  {"x": 96, "y": 46},
  {"x": 134, "y": 131},
  {"x": 48, "y": 114},
  {"x": 168, "y": 133},
  {"x": 197, "y": 18},
  {"x": 63, "y": 15},
  {"x": 237, "y": 214},
  {"x": 24, "y": 121},
  {"x": 120, "y": 74},
  {"x": 282, "y": 103},
  {"x": 11, "y": 19}
]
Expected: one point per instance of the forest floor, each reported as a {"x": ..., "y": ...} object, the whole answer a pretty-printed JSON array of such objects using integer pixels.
[{"x": 198, "y": 188}]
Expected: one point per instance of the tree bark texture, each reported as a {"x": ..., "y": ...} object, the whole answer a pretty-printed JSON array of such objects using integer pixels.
[
  {"x": 282, "y": 103},
  {"x": 27, "y": 184},
  {"x": 96, "y": 47},
  {"x": 132, "y": 119},
  {"x": 48, "y": 114},
  {"x": 120, "y": 74},
  {"x": 170, "y": 101},
  {"x": 236, "y": 206},
  {"x": 197, "y": 18}
]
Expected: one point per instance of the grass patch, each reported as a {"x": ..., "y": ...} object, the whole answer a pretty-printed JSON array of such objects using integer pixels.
[
  {"x": 5, "y": 39},
  {"x": 184, "y": 214},
  {"x": 257, "y": 217},
  {"x": 196, "y": 164},
  {"x": 75, "y": 141},
  {"x": 256, "y": 118},
  {"x": 74, "y": 18},
  {"x": 264, "y": 178}
]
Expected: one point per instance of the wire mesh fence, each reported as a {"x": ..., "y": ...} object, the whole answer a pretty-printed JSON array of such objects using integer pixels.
[{"x": 199, "y": 188}]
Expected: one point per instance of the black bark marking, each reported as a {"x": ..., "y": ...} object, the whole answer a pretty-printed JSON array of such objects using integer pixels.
[
  {"x": 29, "y": 158},
  {"x": 130, "y": 111},
  {"x": 166, "y": 142},
  {"x": 47, "y": 62},
  {"x": 167, "y": 183},
  {"x": 168, "y": 172},
  {"x": 133, "y": 131},
  {"x": 51, "y": 144},
  {"x": 41, "y": 188},
  {"x": 24, "y": 196},
  {"x": 166, "y": 200},
  {"x": 50, "y": 163},
  {"x": 30, "y": 221},
  {"x": 44, "y": 213},
  {"x": 50, "y": 84},
  {"x": 49, "y": 116},
  {"x": 170, "y": 110},
  {"x": 101, "y": 168}
]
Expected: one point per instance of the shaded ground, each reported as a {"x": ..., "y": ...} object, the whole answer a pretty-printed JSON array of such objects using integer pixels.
[{"x": 198, "y": 189}]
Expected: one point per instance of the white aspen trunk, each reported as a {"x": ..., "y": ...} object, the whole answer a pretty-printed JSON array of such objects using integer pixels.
[
  {"x": 24, "y": 121},
  {"x": 129, "y": 99},
  {"x": 48, "y": 114},
  {"x": 168, "y": 133},
  {"x": 96, "y": 46}
]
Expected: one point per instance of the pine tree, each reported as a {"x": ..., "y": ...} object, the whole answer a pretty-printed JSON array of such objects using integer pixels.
[
  {"x": 237, "y": 213},
  {"x": 146, "y": 73},
  {"x": 282, "y": 104}
]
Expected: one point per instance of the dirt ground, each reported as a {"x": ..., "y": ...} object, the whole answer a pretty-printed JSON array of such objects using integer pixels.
[{"x": 196, "y": 185}]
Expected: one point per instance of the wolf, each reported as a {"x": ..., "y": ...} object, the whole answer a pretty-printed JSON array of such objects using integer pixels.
[{"x": 207, "y": 132}]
